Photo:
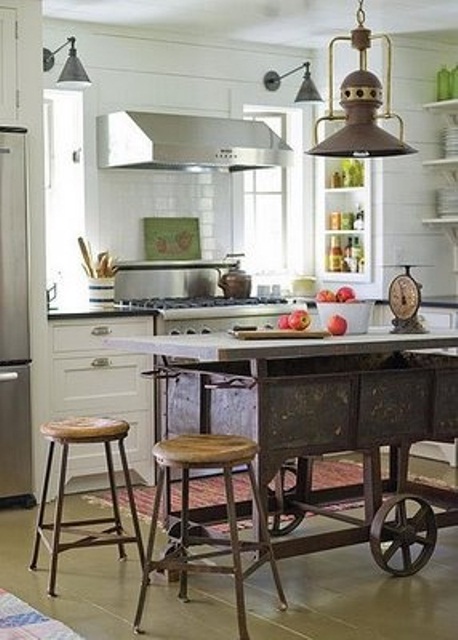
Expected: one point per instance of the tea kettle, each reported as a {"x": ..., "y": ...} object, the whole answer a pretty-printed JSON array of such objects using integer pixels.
[{"x": 236, "y": 283}]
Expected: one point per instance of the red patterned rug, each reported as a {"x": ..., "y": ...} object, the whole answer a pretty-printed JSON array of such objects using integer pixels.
[{"x": 210, "y": 490}]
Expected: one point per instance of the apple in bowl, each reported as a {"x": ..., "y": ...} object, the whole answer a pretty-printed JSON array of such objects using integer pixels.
[
  {"x": 345, "y": 294},
  {"x": 337, "y": 325},
  {"x": 326, "y": 295}
]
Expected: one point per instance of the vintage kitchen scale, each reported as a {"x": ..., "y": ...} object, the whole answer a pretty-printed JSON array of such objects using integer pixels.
[{"x": 404, "y": 299}]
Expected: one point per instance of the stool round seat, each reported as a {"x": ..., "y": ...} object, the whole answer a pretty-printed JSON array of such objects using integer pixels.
[
  {"x": 205, "y": 450},
  {"x": 81, "y": 429}
]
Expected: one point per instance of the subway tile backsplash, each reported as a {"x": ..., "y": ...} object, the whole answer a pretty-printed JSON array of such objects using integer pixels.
[{"x": 127, "y": 196}]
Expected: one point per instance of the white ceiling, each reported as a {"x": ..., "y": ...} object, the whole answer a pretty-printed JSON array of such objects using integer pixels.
[{"x": 297, "y": 23}]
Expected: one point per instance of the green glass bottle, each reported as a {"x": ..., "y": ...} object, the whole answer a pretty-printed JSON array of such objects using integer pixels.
[
  {"x": 443, "y": 83},
  {"x": 454, "y": 83}
]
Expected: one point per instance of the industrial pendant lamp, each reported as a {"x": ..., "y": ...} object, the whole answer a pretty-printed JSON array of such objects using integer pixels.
[
  {"x": 307, "y": 91},
  {"x": 73, "y": 75},
  {"x": 360, "y": 97}
]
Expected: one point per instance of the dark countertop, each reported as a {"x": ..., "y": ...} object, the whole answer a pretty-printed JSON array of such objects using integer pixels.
[
  {"x": 440, "y": 302},
  {"x": 450, "y": 302}
]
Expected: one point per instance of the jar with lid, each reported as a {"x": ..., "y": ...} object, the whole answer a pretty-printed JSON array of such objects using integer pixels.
[{"x": 335, "y": 219}]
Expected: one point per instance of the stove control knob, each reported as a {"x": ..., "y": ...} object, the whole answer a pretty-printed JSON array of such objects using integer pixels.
[
  {"x": 174, "y": 332},
  {"x": 190, "y": 331},
  {"x": 206, "y": 330}
]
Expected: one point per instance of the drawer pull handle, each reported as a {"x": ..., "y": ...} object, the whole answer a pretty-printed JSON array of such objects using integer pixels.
[
  {"x": 101, "y": 362},
  {"x": 101, "y": 331}
]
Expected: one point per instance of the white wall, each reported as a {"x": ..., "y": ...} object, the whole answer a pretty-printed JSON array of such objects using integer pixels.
[
  {"x": 408, "y": 187},
  {"x": 140, "y": 70}
]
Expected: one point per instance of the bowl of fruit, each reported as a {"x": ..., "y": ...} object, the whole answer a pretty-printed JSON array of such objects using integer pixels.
[{"x": 340, "y": 312}]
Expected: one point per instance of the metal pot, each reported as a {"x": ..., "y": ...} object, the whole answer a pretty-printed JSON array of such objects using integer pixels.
[{"x": 236, "y": 283}]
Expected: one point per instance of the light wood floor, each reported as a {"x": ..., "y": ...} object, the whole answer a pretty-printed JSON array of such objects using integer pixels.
[{"x": 333, "y": 595}]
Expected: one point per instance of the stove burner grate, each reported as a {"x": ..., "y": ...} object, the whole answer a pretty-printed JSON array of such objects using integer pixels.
[{"x": 190, "y": 303}]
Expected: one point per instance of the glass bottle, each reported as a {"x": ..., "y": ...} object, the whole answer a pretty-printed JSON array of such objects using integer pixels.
[
  {"x": 443, "y": 83},
  {"x": 335, "y": 255},
  {"x": 357, "y": 255},
  {"x": 358, "y": 224},
  {"x": 347, "y": 255},
  {"x": 454, "y": 83}
]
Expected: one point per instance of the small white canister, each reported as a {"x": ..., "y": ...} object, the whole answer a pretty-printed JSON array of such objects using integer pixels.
[
  {"x": 303, "y": 286},
  {"x": 101, "y": 292}
]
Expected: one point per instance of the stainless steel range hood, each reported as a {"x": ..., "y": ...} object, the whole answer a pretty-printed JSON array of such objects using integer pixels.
[{"x": 142, "y": 140}]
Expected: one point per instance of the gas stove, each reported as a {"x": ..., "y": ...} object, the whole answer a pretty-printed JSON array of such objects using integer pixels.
[{"x": 209, "y": 314}]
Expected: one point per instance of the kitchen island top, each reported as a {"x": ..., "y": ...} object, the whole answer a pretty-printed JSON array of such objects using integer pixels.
[{"x": 224, "y": 347}]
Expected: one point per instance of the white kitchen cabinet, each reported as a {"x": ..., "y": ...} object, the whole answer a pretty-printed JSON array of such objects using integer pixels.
[
  {"x": 8, "y": 65},
  {"x": 90, "y": 379},
  {"x": 339, "y": 199},
  {"x": 438, "y": 318}
]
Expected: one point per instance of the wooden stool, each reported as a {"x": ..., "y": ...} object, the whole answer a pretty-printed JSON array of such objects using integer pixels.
[
  {"x": 83, "y": 431},
  {"x": 224, "y": 452}
]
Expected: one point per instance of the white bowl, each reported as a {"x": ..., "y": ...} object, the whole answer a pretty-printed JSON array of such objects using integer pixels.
[{"x": 357, "y": 314}]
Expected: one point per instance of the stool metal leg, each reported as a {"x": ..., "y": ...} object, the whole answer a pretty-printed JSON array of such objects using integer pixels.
[
  {"x": 147, "y": 567},
  {"x": 264, "y": 532},
  {"x": 57, "y": 521},
  {"x": 114, "y": 498},
  {"x": 184, "y": 532},
  {"x": 42, "y": 507},
  {"x": 130, "y": 495},
  {"x": 236, "y": 555}
]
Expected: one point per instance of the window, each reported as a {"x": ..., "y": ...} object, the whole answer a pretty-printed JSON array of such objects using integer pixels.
[
  {"x": 64, "y": 193},
  {"x": 275, "y": 237},
  {"x": 265, "y": 209}
]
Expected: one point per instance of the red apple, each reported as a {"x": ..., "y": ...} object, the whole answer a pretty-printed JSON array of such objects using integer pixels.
[
  {"x": 336, "y": 325},
  {"x": 344, "y": 294},
  {"x": 299, "y": 320},
  {"x": 325, "y": 295},
  {"x": 283, "y": 322}
]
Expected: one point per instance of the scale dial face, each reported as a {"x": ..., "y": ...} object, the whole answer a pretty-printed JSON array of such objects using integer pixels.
[{"x": 404, "y": 297}]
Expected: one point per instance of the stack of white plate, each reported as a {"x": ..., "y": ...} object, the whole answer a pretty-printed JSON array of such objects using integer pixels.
[
  {"x": 450, "y": 141},
  {"x": 447, "y": 201}
]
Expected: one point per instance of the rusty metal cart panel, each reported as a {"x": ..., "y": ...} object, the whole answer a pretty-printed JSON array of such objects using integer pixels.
[{"x": 302, "y": 407}]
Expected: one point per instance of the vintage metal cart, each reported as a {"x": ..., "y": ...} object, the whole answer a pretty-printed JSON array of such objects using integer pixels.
[{"x": 303, "y": 400}]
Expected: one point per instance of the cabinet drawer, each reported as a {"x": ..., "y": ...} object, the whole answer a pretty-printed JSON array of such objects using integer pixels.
[
  {"x": 100, "y": 382},
  {"x": 442, "y": 319},
  {"x": 90, "y": 336}
]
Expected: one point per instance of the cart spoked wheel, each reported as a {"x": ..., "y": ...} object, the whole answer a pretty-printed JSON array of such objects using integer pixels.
[
  {"x": 283, "y": 520},
  {"x": 403, "y": 534}
]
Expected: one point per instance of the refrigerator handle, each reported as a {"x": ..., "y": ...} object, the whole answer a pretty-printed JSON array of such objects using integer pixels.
[{"x": 4, "y": 377}]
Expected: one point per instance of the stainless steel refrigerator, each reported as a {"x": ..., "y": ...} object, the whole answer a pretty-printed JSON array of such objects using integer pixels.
[{"x": 15, "y": 418}]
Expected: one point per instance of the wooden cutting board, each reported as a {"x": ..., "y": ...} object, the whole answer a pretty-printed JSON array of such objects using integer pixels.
[{"x": 273, "y": 334}]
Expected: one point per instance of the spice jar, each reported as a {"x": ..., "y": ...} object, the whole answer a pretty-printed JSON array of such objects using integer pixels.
[{"x": 335, "y": 219}]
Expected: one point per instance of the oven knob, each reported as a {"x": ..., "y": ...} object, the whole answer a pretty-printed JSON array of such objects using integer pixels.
[
  {"x": 190, "y": 331},
  {"x": 206, "y": 330},
  {"x": 174, "y": 332}
]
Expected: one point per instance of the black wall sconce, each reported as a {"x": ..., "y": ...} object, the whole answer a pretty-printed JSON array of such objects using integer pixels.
[
  {"x": 307, "y": 91},
  {"x": 73, "y": 75}
]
